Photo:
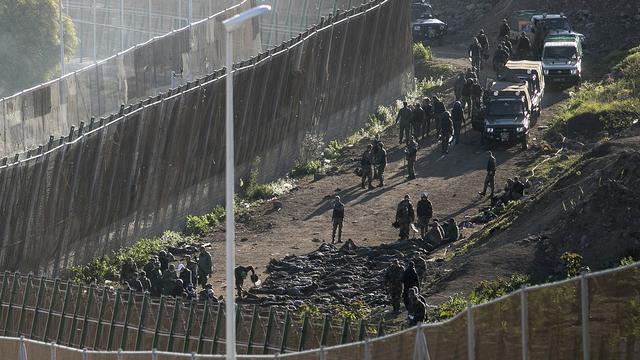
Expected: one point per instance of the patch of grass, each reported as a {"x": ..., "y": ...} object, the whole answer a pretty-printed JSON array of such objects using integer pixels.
[
  {"x": 556, "y": 165},
  {"x": 421, "y": 52},
  {"x": 379, "y": 122},
  {"x": 301, "y": 169},
  {"x": 196, "y": 225},
  {"x": 356, "y": 310},
  {"x": 107, "y": 267},
  {"x": 572, "y": 263},
  {"x": 438, "y": 70}
]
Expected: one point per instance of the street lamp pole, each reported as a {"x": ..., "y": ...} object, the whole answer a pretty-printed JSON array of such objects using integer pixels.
[{"x": 230, "y": 25}]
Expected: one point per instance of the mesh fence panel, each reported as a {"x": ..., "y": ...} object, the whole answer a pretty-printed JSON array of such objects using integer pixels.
[
  {"x": 448, "y": 340},
  {"x": 498, "y": 329},
  {"x": 614, "y": 315},
  {"x": 554, "y": 321}
]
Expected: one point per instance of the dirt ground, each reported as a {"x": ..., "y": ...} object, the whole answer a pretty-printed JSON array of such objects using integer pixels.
[{"x": 304, "y": 221}]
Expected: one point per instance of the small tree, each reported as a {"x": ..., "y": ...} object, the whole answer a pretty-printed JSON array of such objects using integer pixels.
[{"x": 30, "y": 43}]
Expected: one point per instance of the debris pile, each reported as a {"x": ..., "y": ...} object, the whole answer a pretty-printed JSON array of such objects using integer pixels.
[{"x": 331, "y": 275}]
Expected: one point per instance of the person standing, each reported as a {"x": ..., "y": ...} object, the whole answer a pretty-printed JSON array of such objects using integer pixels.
[
  {"x": 380, "y": 159},
  {"x": 483, "y": 40},
  {"x": 337, "y": 218},
  {"x": 404, "y": 120},
  {"x": 366, "y": 162},
  {"x": 241, "y": 273},
  {"x": 205, "y": 266},
  {"x": 457, "y": 117},
  {"x": 446, "y": 129},
  {"x": 411, "y": 153},
  {"x": 417, "y": 121},
  {"x": 428, "y": 117},
  {"x": 475, "y": 53},
  {"x": 393, "y": 283},
  {"x": 505, "y": 29},
  {"x": 409, "y": 280},
  {"x": 524, "y": 46},
  {"x": 438, "y": 110},
  {"x": 424, "y": 210},
  {"x": 489, "y": 180},
  {"x": 405, "y": 216}
]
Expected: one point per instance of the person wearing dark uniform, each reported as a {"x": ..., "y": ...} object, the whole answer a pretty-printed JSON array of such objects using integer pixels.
[
  {"x": 404, "y": 120},
  {"x": 380, "y": 162},
  {"x": 505, "y": 29},
  {"x": 409, "y": 279},
  {"x": 393, "y": 283},
  {"x": 457, "y": 117},
  {"x": 483, "y": 40},
  {"x": 475, "y": 53},
  {"x": 489, "y": 180},
  {"x": 446, "y": 128},
  {"x": 411, "y": 153},
  {"x": 366, "y": 162},
  {"x": 524, "y": 46},
  {"x": 241, "y": 273},
  {"x": 417, "y": 121},
  {"x": 428, "y": 117},
  {"x": 438, "y": 110},
  {"x": 424, "y": 210},
  {"x": 337, "y": 218},
  {"x": 405, "y": 216}
]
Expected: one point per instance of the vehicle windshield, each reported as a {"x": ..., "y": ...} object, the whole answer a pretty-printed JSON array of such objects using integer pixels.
[
  {"x": 558, "y": 24},
  {"x": 505, "y": 107},
  {"x": 420, "y": 11},
  {"x": 560, "y": 52}
]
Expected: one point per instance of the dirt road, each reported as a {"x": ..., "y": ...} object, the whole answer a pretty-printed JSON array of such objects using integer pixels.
[{"x": 304, "y": 221}]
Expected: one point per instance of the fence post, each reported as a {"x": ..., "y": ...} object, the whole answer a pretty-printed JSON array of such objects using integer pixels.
[
  {"x": 203, "y": 327},
  {"x": 252, "y": 331},
  {"x": 142, "y": 320},
  {"x": 52, "y": 349},
  {"x": 114, "y": 317},
  {"x": 471, "y": 336},
  {"x": 524, "y": 322},
  {"x": 265, "y": 348},
  {"x": 54, "y": 295},
  {"x": 5, "y": 281},
  {"x": 285, "y": 331},
  {"x": 96, "y": 341},
  {"x": 367, "y": 354},
  {"x": 174, "y": 319},
  {"x": 346, "y": 323},
  {"x": 187, "y": 334},
  {"x": 127, "y": 315},
  {"x": 95, "y": 36},
  {"x": 16, "y": 279},
  {"x": 322, "y": 356},
  {"x": 87, "y": 311},
  {"x": 27, "y": 289},
  {"x": 303, "y": 335},
  {"x": 37, "y": 308},
  {"x": 74, "y": 319},
  {"x": 326, "y": 326},
  {"x": 363, "y": 330},
  {"x": 216, "y": 332},
  {"x": 65, "y": 303},
  {"x": 156, "y": 333},
  {"x": 380, "y": 331},
  {"x": 121, "y": 25},
  {"x": 584, "y": 300},
  {"x": 22, "y": 350},
  {"x": 304, "y": 22}
]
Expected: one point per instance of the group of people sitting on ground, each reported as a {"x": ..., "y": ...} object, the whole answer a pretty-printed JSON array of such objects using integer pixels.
[
  {"x": 159, "y": 276},
  {"x": 513, "y": 191},
  {"x": 404, "y": 284},
  {"x": 432, "y": 232}
]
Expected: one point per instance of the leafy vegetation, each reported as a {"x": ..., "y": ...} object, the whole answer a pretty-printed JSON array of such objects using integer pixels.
[
  {"x": 301, "y": 169},
  {"x": 356, "y": 310},
  {"x": 572, "y": 263},
  {"x": 421, "y": 52},
  {"x": 485, "y": 292},
  {"x": 30, "y": 43},
  {"x": 108, "y": 267}
]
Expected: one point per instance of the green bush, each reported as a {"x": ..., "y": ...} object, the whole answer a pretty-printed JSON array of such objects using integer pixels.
[
  {"x": 260, "y": 192},
  {"x": 333, "y": 149},
  {"x": 421, "y": 52},
  {"x": 301, "y": 169},
  {"x": 196, "y": 225},
  {"x": 572, "y": 263},
  {"x": 216, "y": 216}
]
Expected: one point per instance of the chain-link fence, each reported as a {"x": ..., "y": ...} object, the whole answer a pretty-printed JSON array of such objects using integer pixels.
[
  {"x": 594, "y": 316},
  {"x": 28, "y": 119},
  {"x": 140, "y": 172}
]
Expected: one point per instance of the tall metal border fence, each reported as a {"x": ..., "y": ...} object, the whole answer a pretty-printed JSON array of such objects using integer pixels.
[
  {"x": 594, "y": 316},
  {"x": 30, "y": 117},
  {"x": 140, "y": 172}
]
